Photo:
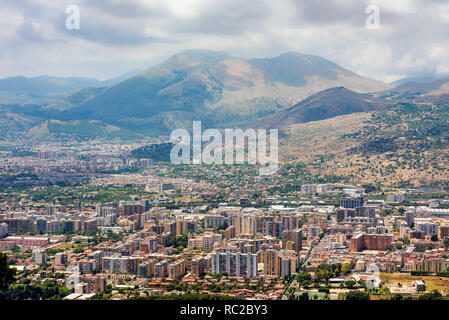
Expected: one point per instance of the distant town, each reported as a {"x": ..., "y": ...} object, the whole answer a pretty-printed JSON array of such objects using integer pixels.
[{"x": 87, "y": 221}]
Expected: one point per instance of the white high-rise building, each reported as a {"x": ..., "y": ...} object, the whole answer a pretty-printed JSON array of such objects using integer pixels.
[
  {"x": 3, "y": 230},
  {"x": 425, "y": 225},
  {"x": 39, "y": 256}
]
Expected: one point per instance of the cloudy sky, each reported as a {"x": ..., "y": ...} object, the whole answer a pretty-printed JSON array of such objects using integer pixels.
[{"x": 116, "y": 36}]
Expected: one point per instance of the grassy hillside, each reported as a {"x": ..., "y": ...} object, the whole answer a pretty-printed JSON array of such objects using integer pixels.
[
  {"x": 325, "y": 104},
  {"x": 45, "y": 90},
  {"x": 418, "y": 90},
  {"x": 78, "y": 130},
  {"x": 404, "y": 145},
  {"x": 74, "y": 99},
  {"x": 12, "y": 125},
  {"x": 39, "y": 90}
]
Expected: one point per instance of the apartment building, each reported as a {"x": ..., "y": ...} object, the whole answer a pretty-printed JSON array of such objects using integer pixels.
[
  {"x": 363, "y": 241},
  {"x": 235, "y": 264}
]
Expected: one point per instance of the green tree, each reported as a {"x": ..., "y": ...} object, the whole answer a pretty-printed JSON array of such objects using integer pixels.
[
  {"x": 434, "y": 295},
  {"x": 369, "y": 188},
  {"x": 350, "y": 283},
  {"x": 357, "y": 296},
  {"x": 7, "y": 274},
  {"x": 446, "y": 243},
  {"x": 304, "y": 278},
  {"x": 397, "y": 296},
  {"x": 346, "y": 268},
  {"x": 304, "y": 296}
]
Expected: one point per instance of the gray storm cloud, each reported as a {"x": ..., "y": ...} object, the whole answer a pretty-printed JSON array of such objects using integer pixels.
[{"x": 117, "y": 36}]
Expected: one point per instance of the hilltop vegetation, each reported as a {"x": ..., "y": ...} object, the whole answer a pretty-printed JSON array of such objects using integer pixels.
[
  {"x": 406, "y": 126},
  {"x": 79, "y": 130},
  {"x": 157, "y": 152},
  {"x": 325, "y": 104}
]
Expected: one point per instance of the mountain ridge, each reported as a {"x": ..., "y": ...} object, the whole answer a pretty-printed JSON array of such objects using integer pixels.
[
  {"x": 47, "y": 89},
  {"x": 323, "y": 105},
  {"x": 214, "y": 87}
]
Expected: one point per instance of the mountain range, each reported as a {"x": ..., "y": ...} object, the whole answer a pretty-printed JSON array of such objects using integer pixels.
[
  {"x": 211, "y": 86},
  {"x": 42, "y": 90},
  {"x": 430, "y": 91},
  {"x": 325, "y": 104},
  {"x": 215, "y": 88},
  {"x": 405, "y": 145}
]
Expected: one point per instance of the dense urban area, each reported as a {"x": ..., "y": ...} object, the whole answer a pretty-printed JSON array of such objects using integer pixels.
[{"x": 85, "y": 220}]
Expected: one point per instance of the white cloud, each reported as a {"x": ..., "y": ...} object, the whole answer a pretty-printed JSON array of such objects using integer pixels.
[
  {"x": 118, "y": 35},
  {"x": 9, "y": 22},
  {"x": 396, "y": 6},
  {"x": 185, "y": 8}
]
